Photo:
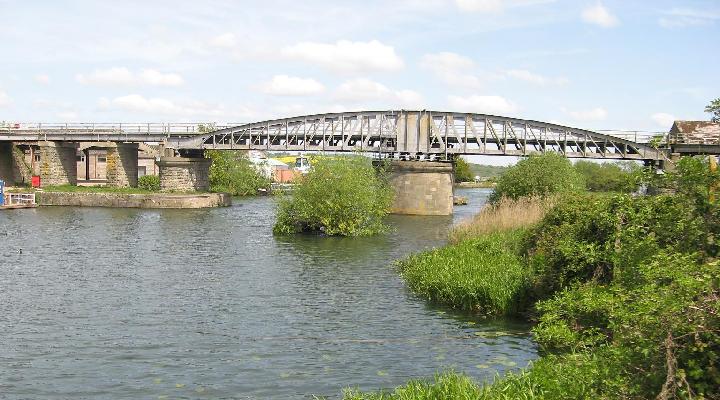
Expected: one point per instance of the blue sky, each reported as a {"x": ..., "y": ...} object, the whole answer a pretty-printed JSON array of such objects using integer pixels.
[{"x": 599, "y": 65}]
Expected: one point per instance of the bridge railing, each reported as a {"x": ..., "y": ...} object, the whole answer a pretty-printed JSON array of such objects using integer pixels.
[
  {"x": 183, "y": 128},
  {"x": 643, "y": 137}
]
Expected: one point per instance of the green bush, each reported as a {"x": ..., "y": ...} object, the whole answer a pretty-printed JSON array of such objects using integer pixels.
[
  {"x": 232, "y": 172},
  {"x": 462, "y": 171},
  {"x": 485, "y": 274},
  {"x": 627, "y": 294},
  {"x": 343, "y": 196},
  {"x": 538, "y": 175},
  {"x": 609, "y": 177},
  {"x": 149, "y": 182}
]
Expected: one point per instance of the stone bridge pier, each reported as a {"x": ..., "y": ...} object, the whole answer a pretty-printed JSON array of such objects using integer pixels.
[
  {"x": 422, "y": 187},
  {"x": 58, "y": 163},
  {"x": 190, "y": 173}
]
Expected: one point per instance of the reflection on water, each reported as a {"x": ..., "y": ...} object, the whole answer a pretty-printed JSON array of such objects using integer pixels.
[{"x": 113, "y": 303}]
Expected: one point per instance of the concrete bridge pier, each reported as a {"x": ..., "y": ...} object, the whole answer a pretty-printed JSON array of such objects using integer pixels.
[
  {"x": 422, "y": 187},
  {"x": 184, "y": 174},
  {"x": 58, "y": 163},
  {"x": 122, "y": 165}
]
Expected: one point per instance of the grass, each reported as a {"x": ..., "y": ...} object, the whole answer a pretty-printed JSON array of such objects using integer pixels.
[
  {"x": 485, "y": 274},
  {"x": 503, "y": 216},
  {"x": 448, "y": 386},
  {"x": 574, "y": 376},
  {"x": 95, "y": 189}
]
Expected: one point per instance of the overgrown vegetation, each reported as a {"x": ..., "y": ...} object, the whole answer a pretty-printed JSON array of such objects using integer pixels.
[
  {"x": 609, "y": 177},
  {"x": 505, "y": 215},
  {"x": 462, "y": 171},
  {"x": 625, "y": 292},
  {"x": 538, "y": 175},
  {"x": 150, "y": 183},
  {"x": 232, "y": 172},
  {"x": 343, "y": 196},
  {"x": 485, "y": 274}
]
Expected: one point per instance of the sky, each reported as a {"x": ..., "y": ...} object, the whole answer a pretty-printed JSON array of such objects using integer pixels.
[{"x": 612, "y": 64}]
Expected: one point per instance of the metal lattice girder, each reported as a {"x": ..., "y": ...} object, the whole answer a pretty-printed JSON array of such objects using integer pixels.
[
  {"x": 419, "y": 135},
  {"x": 403, "y": 134}
]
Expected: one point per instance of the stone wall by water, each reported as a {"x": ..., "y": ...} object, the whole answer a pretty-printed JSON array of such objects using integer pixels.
[{"x": 120, "y": 200}]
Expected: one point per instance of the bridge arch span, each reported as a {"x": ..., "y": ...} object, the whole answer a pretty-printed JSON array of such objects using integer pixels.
[{"x": 420, "y": 135}]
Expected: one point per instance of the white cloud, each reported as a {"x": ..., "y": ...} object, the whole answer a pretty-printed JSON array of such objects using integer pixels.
[
  {"x": 5, "y": 100},
  {"x": 663, "y": 120},
  {"x": 226, "y": 40},
  {"x": 599, "y": 15},
  {"x": 480, "y": 5},
  {"x": 121, "y": 76},
  {"x": 67, "y": 116},
  {"x": 452, "y": 69},
  {"x": 595, "y": 114},
  {"x": 346, "y": 56},
  {"x": 364, "y": 90},
  {"x": 42, "y": 79},
  {"x": 482, "y": 104},
  {"x": 494, "y": 6},
  {"x": 684, "y": 17},
  {"x": 182, "y": 110},
  {"x": 283, "y": 85},
  {"x": 157, "y": 78},
  {"x": 537, "y": 79}
]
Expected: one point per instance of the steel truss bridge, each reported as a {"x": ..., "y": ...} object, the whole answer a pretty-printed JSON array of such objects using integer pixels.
[{"x": 414, "y": 135}]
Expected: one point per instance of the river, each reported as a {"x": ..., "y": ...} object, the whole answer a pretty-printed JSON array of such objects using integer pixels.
[{"x": 139, "y": 304}]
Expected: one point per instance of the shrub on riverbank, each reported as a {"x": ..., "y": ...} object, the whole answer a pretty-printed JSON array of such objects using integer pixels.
[
  {"x": 506, "y": 214},
  {"x": 539, "y": 176},
  {"x": 627, "y": 291},
  {"x": 609, "y": 177},
  {"x": 232, "y": 172},
  {"x": 150, "y": 183},
  {"x": 343, "y": 196},
  {"x": 484, "y": 274}
]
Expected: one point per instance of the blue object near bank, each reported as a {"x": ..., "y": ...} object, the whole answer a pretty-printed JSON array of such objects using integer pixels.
[{"x": 2, "y": 193}]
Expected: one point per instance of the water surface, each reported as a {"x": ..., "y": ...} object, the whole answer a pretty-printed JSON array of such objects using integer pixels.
[{"x": 128, "y": 304}]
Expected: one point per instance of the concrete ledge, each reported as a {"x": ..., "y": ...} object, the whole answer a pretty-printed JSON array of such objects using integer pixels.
[{"x": 121, "y": 200}]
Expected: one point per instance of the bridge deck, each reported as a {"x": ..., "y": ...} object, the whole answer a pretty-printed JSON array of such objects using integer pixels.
[{"x": 409, "y": 134}]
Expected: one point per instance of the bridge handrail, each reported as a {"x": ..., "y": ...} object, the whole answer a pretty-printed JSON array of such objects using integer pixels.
[{"x": 124, "y": 127}]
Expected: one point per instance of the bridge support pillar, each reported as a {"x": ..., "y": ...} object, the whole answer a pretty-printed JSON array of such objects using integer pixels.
[
  {"x": 422, "y": 187},
  {"x": 122, "y": 165},
  {"x": 58, "y": 163},
  {"x": 182, "y": 174}
]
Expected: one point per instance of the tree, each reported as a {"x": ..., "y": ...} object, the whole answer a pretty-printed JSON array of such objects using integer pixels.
[
  {"x": 232, "y": 172},
  {"x": 342, "y": 196},
  {"x": 462, "y": 171},
  {"x": 608, "y": 177},
  {"x": 714, "y": 109},
  {"x": 538, "y": 175}
]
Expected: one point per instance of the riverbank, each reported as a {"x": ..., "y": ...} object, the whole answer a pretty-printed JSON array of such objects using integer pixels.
[
  {"x": 624, "y": 298},
  {"x": 133, "y": 200}
]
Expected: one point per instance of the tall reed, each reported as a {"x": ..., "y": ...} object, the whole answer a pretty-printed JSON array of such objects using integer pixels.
[{"x": 506, "y": 214}]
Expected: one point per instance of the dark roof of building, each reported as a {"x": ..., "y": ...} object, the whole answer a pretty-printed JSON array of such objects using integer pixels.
[{"x": 701, "y": 127}]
